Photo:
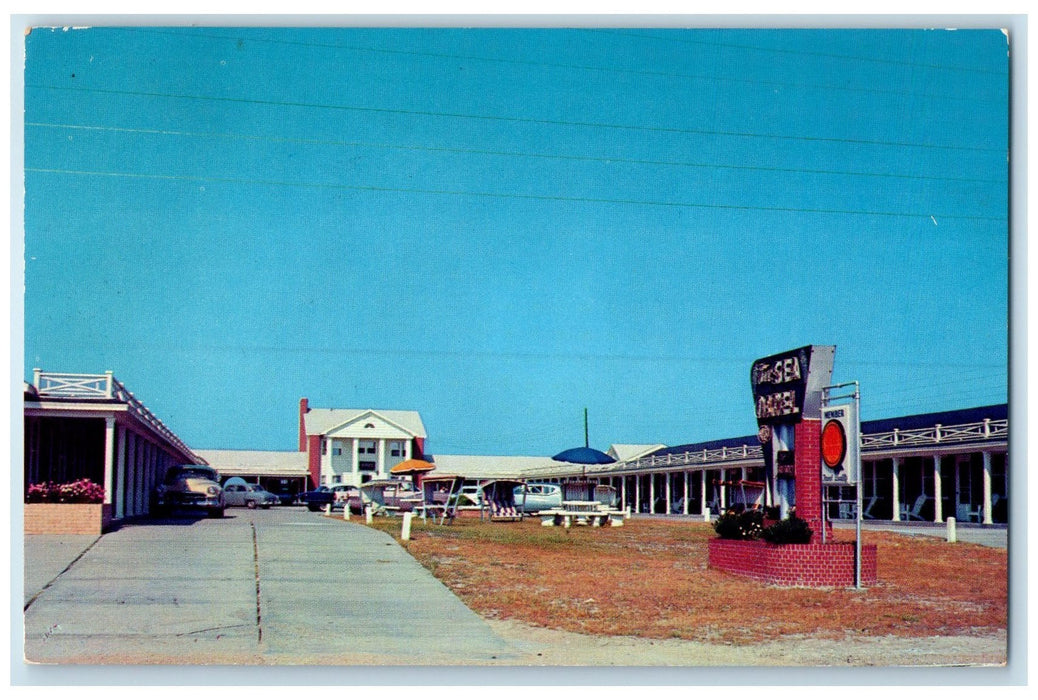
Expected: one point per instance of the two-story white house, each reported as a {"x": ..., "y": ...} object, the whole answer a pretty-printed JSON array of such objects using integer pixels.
[{"x": 354, "y": 446}]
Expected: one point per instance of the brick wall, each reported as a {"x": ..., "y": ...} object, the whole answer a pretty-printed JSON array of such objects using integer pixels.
[
  {"x": 314, "y": 459},
  {"x": 810, "y": 565},
  {"x": 67, "y": 518}
]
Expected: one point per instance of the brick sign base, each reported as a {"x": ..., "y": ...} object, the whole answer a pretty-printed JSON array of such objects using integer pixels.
[
  {"x": 67, "y": 518},
  {"x": 807, "y": 565}
]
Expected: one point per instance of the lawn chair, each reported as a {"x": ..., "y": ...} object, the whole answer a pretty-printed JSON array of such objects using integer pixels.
[
  {"x": 913, "y": 513},
  {"x": 866, "y": 513},
  {"x": 967, "y": 513}
]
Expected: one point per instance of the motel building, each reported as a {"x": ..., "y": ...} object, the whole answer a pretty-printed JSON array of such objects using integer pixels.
[
  {"x": 917, "y": 468},
  {"x": 89, "y": 426}
]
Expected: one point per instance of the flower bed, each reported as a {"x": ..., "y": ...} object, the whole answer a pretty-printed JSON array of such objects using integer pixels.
[
  {"x": 67, "y": 518},
  {"x": 75, "y": 508}
]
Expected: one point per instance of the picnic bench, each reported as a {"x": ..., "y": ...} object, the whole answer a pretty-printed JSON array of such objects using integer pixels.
[{"x": 593, "y": 513}]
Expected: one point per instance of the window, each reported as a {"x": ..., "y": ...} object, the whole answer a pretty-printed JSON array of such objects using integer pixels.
[
  {"x": 336, "y": 450},
  {"x": 336, "y": 478},
  {"x": 396, "y": 449}
]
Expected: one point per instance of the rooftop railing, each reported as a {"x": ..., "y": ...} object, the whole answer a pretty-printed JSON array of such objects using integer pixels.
[
  {"x": 105, "y": 387},
  {"x": 934, "y": 436}
]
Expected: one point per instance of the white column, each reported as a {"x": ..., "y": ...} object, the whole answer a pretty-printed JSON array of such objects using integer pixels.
[
  {"x": 723, "y": 491},
  {"x": 120, "y": 480},
  {"x": 652, "y": 493},
  {"x": 637, "y": 493},
  {"x": 684, "y": 506},
  {"x": 895, "y": 478},
  {"x": 110, "y": 440},
  {"x": 987, "y": 488},
  {"x": 938, "y": 511},
  {"x": 356, "y": 461},
  {"x": 667, "y": 492},
  {"x": 703, "y": 506},
  {"x": 380, "y": 457},
  {"x": 407, "y": 449}
]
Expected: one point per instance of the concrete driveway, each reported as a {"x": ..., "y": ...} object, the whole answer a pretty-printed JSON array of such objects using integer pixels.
[{"x": 283, "y": 586}]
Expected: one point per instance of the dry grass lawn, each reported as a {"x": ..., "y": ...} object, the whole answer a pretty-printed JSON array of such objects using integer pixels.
[{"x": 650, "y": 579}]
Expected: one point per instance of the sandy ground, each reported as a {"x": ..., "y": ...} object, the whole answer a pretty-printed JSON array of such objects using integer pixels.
[{"x": 555, "y": 648}]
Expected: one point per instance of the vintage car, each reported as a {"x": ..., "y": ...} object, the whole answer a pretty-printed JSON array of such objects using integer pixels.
[
  {"x": 248, "y": 495},
  {"x": 189, "y": 486},
  {"x": 338, "y": 496},
  {"x": 538, "y": 497}
]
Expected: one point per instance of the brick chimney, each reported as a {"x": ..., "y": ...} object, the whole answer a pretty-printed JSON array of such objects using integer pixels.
[{"x": 304, "y": 408}]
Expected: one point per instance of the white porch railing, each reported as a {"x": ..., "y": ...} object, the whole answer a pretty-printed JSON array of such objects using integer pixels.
[
  {"x": 106, "y": 387},
  {"x": 936, "y": 435}
]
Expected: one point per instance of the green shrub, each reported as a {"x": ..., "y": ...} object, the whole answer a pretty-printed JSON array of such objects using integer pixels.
[
  {"x": 739, "y": 526},
  {"x": 792, "y": 530}
]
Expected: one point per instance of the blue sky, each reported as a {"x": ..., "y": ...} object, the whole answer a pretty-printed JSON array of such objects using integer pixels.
[{"x": 499, "y": 228}]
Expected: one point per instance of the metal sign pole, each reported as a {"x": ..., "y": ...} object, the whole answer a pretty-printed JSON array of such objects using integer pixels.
[
  {"x": 857, "y": 507},
  {"x": 822, "y": 489}
]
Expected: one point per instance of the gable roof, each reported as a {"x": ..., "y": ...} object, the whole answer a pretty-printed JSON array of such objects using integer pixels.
[
  {"x": 490, "y": 467},
  {"x": 321, "y": 421},
  {"x": 623, "y": 453}
]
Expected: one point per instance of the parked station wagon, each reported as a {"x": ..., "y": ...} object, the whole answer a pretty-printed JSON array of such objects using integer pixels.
[{"x": 538, "y": 497}]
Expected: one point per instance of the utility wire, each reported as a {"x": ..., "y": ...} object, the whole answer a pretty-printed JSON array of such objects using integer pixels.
[
  {"x": 516, "y": 120},
  {"x": 509, "y": 195},
  {"x": 802, "y": 52},
  {"x": 504, "y": 154},
  {"x": 598, "y": 69}
]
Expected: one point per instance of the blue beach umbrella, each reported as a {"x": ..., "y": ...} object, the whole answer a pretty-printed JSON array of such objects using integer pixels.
[{"x": 584, "y": 455}]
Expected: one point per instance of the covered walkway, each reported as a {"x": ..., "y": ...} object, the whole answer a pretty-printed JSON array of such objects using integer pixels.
[
  {"x": 922, "y": 468},
  {"x": 89, "y": 426}
]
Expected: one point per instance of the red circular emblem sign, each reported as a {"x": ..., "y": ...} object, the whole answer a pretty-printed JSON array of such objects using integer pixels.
[{"x": 834, "y": 444}]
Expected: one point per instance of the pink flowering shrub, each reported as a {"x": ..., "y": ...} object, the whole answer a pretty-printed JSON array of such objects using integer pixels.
[{"x": 82, "y": 491}]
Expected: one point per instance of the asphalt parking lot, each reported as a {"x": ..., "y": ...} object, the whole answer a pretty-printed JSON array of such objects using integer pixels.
[{"x": 283, "y": 586}]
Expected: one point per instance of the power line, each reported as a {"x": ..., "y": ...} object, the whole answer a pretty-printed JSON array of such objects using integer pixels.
[
  {"x": 510, "y": 195},
  {"x": 516, "y": 120},
  {"x": 581, "y": 67},
  {"x": 817, "y": 54},
  {"x": 507, "y": 154}
]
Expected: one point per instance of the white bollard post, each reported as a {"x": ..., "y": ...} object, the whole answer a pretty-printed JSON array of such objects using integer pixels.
[
  {"x": 706, "y": 516},
  {"x": 367, "y": 514},
  {"x": 405, "y": 528},
  {"x": 346, "y": 510},
  {"x": 951, "y": 530},
  {"x": 327, "y": 508}
]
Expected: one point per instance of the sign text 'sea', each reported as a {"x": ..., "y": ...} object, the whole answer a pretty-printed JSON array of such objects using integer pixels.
[{"x": 777, "y": 372}]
